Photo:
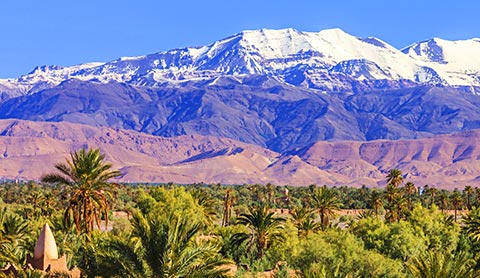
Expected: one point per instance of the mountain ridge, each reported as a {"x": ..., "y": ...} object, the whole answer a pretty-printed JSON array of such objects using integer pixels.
[
  {"x": 317, "y": 56},
  {"x": 255, "y": 110},
  {"x": 30, "y": 149},
  {"x": 284, "y": 91}
]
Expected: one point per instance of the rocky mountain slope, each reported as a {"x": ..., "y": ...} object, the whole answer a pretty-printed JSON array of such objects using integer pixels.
[
  {"x": 282, "y": 96},
  {"x": 256, "y": 110},
  {"x": 30, "y": 149},
  {"x": 330, "y": 60}
]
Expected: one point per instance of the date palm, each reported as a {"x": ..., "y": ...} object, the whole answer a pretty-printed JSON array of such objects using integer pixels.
[
  {"x": 395, "y": 177},
  {"x": 160, "y": 246},
  {"x": 263, "y": 228},
  {"x": 85, "y": 176},
  {"x": 376, "y": 201},
  {"x": 396, "y": 203},
  {"x": 206, "y": 204},
  {"x": 440, "y": 264},
  {"x": 443, "y": 200},
  {"x": 13, "y": 234},
  {"x": 433, "y": 192},
  {"x": 468, "y": 190},
  {"x": 303, "y": 218},
  {"x": 477, "y": 196},
  {"x": 326, "y": 202},
  {"x": 270, "y": 191},
  {"x": 228, "y": 202},
  {"x": 457, "y": 202},
  {"x": 36, "y": 198},
  {"x": 410, "y": 189},
  {"x": 472, "y": 224}
]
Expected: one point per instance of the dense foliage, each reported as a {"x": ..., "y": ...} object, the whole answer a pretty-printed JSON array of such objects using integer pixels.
[{"x": 212, "y": 230}]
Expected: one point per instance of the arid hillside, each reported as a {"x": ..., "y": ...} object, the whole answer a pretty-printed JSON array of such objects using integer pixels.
[{"x": 30, "y": 149}]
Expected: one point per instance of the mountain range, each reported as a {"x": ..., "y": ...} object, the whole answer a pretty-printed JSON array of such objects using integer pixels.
[{"x": 281, "y": 93}]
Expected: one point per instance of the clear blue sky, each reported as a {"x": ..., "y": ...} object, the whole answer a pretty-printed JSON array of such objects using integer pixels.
[{"x": 55, "y": 32}]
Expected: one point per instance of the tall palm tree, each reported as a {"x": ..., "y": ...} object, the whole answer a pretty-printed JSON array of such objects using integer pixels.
[
  {"x": 270, "y": 191},
  {"x": 303, "y": 218},
  {"x": 468, "y": 190},
  {"x": 160, "y": 246},
  {"x": 457, "y": 202},
  {"x": 396, "y": 203},
  {"x": 326, "y": 202},
  {"x": 443, "y": 200},
  {"x": 376, "y": 201},
  {"x": 228, "y": 202},
  {"x": 36, "y": 198},
  {"x": 410, "y": 189},
  {"x": 477, "y": 196},
  {"x": 433, "y": 192},
  {"x": 85, "y": 176},
  {"x": 263, "y": 228},
  {"x": 395, "y": 177}
]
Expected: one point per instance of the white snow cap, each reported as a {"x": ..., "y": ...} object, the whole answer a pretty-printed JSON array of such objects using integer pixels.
[{"x": 275, "y": 52}]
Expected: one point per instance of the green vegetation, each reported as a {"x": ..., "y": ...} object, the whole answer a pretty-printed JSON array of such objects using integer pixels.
[
  {"x": 210, "y": 230},
  {"x": 86, "y": 178}
]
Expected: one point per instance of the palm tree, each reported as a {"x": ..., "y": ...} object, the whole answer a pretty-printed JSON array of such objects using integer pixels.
[
  {"x": 472, "y": 224},
  {"x": 468, "y": 190},
  {"x": 443, "y": 200},
  {"x": 395, "y": 177},
  {"x": 456, "y": 202},
  {"x": 85, "y": 176},
  {"x": 477, "y": 196},
  {"x": 207, "y": 205},
  {"x": 160, "y": 246},
  {"x": 433, "y": 192},
  {"x": 410, "y": 189},
  {"x": 263, "y": 228},
  {"x": 326, "y": 202},
  {"x": 270, "y": 190},
  {"x": 303, "y": 218},
  {"x": 397, "y": 209},
  {"x": 228, "y": 201},
  {"x": 376, "y": 201},
  {"x": 36, "y": 198},
  {"x": 13, "y": 235},
  {"x": 396, "y": 203},
  {"x": 439, "y": 264}
]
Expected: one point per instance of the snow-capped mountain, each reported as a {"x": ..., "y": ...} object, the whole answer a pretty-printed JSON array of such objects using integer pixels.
[
  {"x": 457, "y": 62},
  {"x": 293, "y": 93},
  {"x": 330, "y": 60}
]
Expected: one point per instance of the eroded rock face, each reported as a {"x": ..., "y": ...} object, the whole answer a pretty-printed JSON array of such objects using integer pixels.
[
  {"x": 256, "y": 110},
  {"x": 30, "y": 149}
]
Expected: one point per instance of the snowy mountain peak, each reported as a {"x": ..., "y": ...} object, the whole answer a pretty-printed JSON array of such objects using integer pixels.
[
  {"x": 334, "y": 33},
  {"x": 45, "y": 69},
  {"x": 457, "y": 62},
  {"x": 322, "y": 60},
  {"x": 428, "y": 51}
]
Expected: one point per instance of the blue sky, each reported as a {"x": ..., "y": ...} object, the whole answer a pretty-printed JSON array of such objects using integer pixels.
[{"x": 54, "y": 32}]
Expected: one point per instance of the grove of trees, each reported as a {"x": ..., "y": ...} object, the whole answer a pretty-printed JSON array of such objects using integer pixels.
[{"x": 251, "y": 230}]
